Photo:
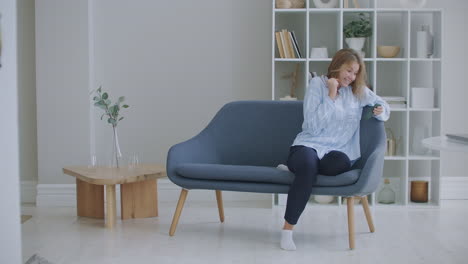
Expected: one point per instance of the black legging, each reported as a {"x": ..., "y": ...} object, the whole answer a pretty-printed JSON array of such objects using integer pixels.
[{"x": 305, "y": 164}]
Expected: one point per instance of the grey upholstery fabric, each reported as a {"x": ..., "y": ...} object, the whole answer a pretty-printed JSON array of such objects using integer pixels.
[
  {"x": 259, "y": 174},
  {"x": 241, "y": 147}
]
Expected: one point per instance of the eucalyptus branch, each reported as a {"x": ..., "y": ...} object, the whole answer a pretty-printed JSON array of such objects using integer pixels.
[{"x": 102, "y": 101}]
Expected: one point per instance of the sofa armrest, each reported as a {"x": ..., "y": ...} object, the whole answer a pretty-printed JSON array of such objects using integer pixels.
[
  {"x": 199, "y": 149},
  {"x": 372, "y": 171}
]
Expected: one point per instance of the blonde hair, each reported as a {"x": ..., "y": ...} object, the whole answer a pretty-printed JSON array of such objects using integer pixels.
[{"x": 346, "y": 57}]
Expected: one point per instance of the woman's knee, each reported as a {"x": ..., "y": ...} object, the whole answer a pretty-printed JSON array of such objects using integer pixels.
[
  {"x": 303, "y": 159},
  {"x": 334, "y": 163}
]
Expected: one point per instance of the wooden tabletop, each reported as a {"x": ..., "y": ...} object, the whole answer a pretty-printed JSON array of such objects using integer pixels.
[{"x": 106, "y": 175}]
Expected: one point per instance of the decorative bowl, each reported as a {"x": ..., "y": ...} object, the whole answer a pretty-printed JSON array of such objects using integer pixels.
[
  {"x": 324, "y": 199},
  {"x": 388, "y": 51}
]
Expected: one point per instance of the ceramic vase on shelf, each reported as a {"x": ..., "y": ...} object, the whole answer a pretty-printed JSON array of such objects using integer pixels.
[
  {"x": 116, "y": 154},
  {"x": 325, "y": 3},
  {"x": 356, "y": 44},
  {"x": 424, "y": 42},
  {"x": 386, "y": 195}
]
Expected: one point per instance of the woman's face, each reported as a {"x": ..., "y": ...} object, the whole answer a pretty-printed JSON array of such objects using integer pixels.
[{"x": 348, "y": 73}]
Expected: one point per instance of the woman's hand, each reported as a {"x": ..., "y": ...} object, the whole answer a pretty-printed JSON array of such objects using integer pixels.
[
  {"x": 332, "y": 87},
  {"x": 378, "y": 110}
]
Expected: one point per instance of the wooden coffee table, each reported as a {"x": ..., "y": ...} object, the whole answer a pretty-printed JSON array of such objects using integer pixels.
[{"x": 138, "y": 191}]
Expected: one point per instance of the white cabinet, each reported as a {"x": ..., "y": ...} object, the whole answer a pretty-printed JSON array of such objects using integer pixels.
[{"x": 388, "y": 77}]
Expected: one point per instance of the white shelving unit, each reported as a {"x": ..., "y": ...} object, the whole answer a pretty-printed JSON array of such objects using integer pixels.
[{"x": 315, "y": 27}]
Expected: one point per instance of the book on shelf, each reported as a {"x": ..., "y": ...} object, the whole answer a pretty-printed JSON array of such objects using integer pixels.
[
  {"x": 395, "y": 101},
  {"x": 296, "y": 46},
  {"x": 394, "y": 98},
  {"x": 279, "y": 44},
  {"x": 284, "y": 44},
  {"x": 287, "y": 44}
]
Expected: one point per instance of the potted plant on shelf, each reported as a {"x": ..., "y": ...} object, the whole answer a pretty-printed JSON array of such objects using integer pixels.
[{"x": 356, "y": 32}]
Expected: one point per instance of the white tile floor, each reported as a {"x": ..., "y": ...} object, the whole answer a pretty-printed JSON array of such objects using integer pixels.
[{"x": 251, "y": 235}]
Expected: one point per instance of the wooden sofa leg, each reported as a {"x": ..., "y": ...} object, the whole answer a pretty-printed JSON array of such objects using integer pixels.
[
  {"x": 219, "y": 199},
  {"x": 365, "y": 205},
  {"x": 178, "y": 211},
  {"x": 350, "y": 201}
]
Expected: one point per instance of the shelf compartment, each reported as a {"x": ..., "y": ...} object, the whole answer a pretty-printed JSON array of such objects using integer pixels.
[
  {"x": 392, "y": 30},
  {"x": 426, "y": 74},
  {"x": 396, "y": 124},
  {"x": 369, "y": 44},
  {"x": 283, "y": 79},
  {"x": 394, "y": 171},
  {"x": 394, "y": 84},
  {"x": 370, "y": 74},
  {"x": 425, "y": 170},
  {"x": 434, "y": 20},
  {"x": 422, "y": 125},
  {"x": 320, "y": 36},
  {"x": 292, "y": 22},
  {"x": 318, "y": 67}
]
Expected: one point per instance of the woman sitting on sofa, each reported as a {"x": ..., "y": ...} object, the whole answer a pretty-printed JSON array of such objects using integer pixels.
[{"x": 329, "y": 141}]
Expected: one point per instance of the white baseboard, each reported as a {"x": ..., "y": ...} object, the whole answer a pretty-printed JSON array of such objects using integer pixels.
[{"x": 53, "y": 195}]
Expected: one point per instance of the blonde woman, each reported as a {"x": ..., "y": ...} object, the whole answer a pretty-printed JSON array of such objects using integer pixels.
[{"x": 329, "y": 141}]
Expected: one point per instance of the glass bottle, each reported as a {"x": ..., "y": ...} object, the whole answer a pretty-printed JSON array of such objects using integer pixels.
[{"x": 386, "y": 195}]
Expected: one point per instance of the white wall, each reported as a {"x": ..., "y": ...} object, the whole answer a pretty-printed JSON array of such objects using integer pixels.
[
  {"x": 27, "y": 91},
  {"x": 61, "y": 83},
  {"x": 177, "y": 63},
  {"x": 10, "y": 238}
]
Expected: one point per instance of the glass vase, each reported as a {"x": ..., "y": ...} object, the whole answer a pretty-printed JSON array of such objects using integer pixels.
[
  {"x": 386, "y": 195},
  {"x": 116, "y": 154}
]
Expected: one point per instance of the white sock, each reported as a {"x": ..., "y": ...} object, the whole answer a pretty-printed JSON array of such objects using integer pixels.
[{"x": 287, "y": 242}]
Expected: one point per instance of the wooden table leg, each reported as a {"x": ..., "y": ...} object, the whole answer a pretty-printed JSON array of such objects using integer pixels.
[
  {"x": 89, "y": 199},
  {"x": 139, "y": 199},
  {"x": 110, "y": 206}
]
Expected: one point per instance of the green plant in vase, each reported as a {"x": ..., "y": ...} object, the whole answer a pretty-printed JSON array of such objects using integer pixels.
[
  {"x": 112, "y": 113},
  {"x": 356, "y": 32}
]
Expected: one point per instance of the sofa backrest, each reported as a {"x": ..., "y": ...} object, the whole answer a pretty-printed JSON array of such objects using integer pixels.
[
  {"x": 260, "y": 133},
  {"x": 255, "y": 132}
]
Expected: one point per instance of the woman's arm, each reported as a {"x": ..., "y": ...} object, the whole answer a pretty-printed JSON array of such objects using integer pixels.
[
  {"x": 319, "y": 108},
  {"x": 370, "y": 98}
]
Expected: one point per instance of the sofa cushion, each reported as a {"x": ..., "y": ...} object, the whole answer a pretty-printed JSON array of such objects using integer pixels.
[{"x": 259, "y": 174}]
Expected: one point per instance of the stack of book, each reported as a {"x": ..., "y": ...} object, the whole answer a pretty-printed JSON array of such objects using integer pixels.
[
  {"x": 286, "y": 42},
  {"x": 395, "y": 101}
]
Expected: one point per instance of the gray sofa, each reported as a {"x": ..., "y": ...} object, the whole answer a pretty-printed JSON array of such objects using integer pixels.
[{"x": 241, "y": 147}]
